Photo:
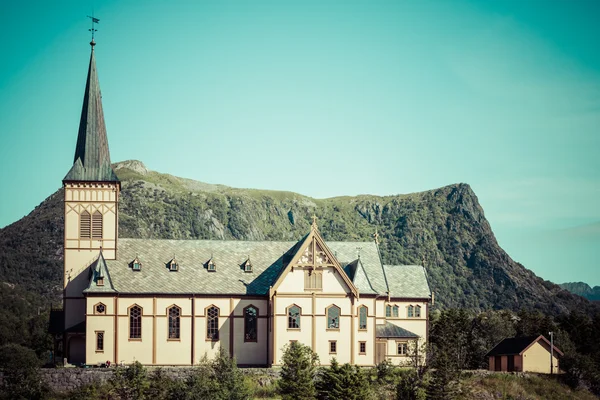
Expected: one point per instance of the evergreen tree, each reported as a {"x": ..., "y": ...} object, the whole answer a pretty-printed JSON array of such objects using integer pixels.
[
  {"x": 298, "y": 372},
  {"x": 342, "y": 382}
]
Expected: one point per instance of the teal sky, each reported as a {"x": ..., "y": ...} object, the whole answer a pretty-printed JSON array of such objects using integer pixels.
[{"x": 326, "y": 99}]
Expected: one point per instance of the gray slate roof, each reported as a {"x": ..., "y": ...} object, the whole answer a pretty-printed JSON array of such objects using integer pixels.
[
  {"x": 92, "y": 157},
  {"x": 268, "y": 260},
  {"x": 389, "y": 330},
  {"x": 407, "y": 281}
]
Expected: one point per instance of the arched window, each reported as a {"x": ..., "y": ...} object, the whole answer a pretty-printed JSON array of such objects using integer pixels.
[
  {"x": 395, "y": 311},
  {"x": 212, "y": 323},
  {"x": 174, "y": 322},
  {"x": 411, "y": 311},
  {"x": 135, "y": 322},
  {"x": 250, "y": 324},
  {"x": 85, "y": 225},
  {"x": 97, "y": 225},
  {"x": 362, "y": 318},
  {"x": 418, "y": 311},
  {"x": 333, "y": 317},
  {"x": 388, "y": 311},
  {"x": 294, "y": 317}
]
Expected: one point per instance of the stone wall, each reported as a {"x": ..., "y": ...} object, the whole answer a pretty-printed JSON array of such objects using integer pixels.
[{"x": 67, "y": 379}]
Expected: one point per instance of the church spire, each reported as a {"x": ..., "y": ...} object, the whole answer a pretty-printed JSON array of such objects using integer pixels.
[{"x": 92, "y": 158}]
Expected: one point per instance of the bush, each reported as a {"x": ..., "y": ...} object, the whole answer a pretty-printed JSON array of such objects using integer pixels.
[
  {"x": 130, "y": 383},
  {"x": 298, "y": 372},
  {"x": 410, "y": 386}
]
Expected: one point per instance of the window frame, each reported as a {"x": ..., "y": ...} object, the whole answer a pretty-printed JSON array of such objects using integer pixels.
[
  {"x": 177, "y": 326},
  {"x": 366, "y": 326},
  {"x": 339, "y": 315},
  {"x": 96, "y": 312},
  {"x": 333, "y": 347},
  {"x": 129, "y": 310},
  {"x": 246, "y": 340},
  {"x": 313, "y": 280},
  {"x": 403, "y": 343},
  {"x": 395, "y": 311},
  {"x": 298, "y": 318},
  {"x": 410, "y": 311},
  {"x": 417, "y": 313},
  {"x": 360, "y": 345},
  {"x": 99, "y": 339},
  {"x": 216, "y": 337},
  {"x": 388, "y": 311}
]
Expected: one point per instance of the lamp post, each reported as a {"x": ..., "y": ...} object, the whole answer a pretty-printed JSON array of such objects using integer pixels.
[{"x": 551, "y": 352}]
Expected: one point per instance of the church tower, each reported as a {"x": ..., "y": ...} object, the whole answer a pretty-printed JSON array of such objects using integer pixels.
[{"x": 91, "y": 190}]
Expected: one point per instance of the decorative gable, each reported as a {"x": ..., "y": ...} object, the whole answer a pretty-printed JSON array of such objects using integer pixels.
[{"x": 315, "y": 258}]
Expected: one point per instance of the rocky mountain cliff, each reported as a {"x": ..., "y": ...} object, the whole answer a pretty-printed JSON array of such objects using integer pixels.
[
  {"x": 466, "y": 266},
  {"x": 582, "y": 289}
]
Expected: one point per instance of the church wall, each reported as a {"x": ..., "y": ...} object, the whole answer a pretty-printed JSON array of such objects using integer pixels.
[
  {"x": 367, "y": 336},
  {"x": 74, "y": 311},
  {"x": 100, "y": 323}
]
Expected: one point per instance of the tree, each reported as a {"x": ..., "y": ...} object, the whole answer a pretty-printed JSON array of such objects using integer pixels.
[
  {"x": 130, "y": 383},
  {"x": 22, "y": 379},
  {"x": 298, "y": 372},
  {"x": 342, "y": 383},
  {"x": 410, "y": 385}
]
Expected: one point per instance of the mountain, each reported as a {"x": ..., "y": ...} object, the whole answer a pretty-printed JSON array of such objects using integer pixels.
[
  {"x": 582, "y": 289},
  {"x": 466, "y": 266}
]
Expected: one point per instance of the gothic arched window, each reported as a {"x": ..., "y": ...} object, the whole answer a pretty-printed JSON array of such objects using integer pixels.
[
  {"x": 212, "y": 323},
  {"x": 294, "y": 317},
  {"x": 85, "y": 225},
  {"x": 174, "y": 322},
  {"x": 333, "y": 317},
  {"x": 362, "y": 318},
  {"x": 97, "y": 225},
  {"x": 250, "y": 324},
  {"x": 135, "y": 322}
]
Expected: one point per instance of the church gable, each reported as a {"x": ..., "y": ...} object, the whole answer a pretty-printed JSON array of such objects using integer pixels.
[{"x": 315, "y": 268}]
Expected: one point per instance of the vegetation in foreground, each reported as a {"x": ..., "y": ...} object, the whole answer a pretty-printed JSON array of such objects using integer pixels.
[{"x": 300, "y": 378}]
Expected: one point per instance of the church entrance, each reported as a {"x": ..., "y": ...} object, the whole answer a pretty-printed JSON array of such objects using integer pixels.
[{"x": 76, "y": 350}]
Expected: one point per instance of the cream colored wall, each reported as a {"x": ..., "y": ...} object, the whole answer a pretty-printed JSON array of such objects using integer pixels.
[
  {"x": 537, "y": 359},
  {"x": 80, "y": 254}
]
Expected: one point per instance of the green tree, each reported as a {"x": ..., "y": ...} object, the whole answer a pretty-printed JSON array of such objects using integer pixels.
[
  {"x": 230, "y": 381},
  {"x": 130, "y": 383},
  {"x": 410, "y": 385},
  {"x": 22, "y": 379},
  {"x": 342, "y": 383},
  {"x": 298, "y": 372}
]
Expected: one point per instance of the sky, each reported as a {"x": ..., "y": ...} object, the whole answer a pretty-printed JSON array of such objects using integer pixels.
[{"x": 326, "y": 98}]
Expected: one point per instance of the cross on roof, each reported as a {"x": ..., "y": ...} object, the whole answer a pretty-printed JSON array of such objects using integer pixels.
[
  {"x": 376, "y": 236},
  {"x": 314, "y": 223},
  {"x": 93, "y": 30}
]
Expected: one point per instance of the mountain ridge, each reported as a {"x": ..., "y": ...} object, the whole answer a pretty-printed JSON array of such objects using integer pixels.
[
  {"x": 582, "y": 289},
  {"x": 447, "y": 226}
]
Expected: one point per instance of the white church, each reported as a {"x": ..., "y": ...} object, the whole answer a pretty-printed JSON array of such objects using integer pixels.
[{"x": 170, "y": 302}]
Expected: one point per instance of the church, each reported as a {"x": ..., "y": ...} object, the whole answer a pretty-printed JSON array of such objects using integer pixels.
[{"x": 170, "y": 302}]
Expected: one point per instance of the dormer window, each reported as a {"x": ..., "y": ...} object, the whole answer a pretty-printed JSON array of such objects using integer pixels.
[
  {"x": 173, "y": 266},
  {"x": 211, "y": 266},
  {"x": 100, "y": 281},
  {"x": 136, "y": 265},
  {"x": 247, "y": 265}
]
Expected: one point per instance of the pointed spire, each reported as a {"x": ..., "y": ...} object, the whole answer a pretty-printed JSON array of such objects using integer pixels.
[{"x": 92, "y": 158}]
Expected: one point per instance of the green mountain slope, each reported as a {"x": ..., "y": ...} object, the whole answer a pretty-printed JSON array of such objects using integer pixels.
[
  {"x": 582, "y": 289},
  {"x": 447, "y": 226}
]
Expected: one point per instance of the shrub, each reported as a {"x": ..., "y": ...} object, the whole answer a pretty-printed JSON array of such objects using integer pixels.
[
  {"x": 410, "y": 386},
  {"x": 130, "y": 382},
  {"x": 298, "y": 372}
]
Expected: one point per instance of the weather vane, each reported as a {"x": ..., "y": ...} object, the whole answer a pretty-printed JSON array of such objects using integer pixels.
[{"x": 94, "y": 21}]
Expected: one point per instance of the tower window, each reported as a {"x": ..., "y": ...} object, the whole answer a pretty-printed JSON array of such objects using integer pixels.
[
  {"x": 212, "y": 324},
  {"x": 135, "y": 322},
  {"x": 174, "y": 322},
  {"x": 100, "y": 281},
  {"x": 100, "y": 341},
  {"x": 100, "y": 308},
  {"x": 97, "y": 225},
  {"x": 313, "y": 280},
  {"x": 85, "y": 225}
]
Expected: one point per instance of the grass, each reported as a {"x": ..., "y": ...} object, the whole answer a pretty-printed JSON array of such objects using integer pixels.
[{"x": 517, "y": 387}]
